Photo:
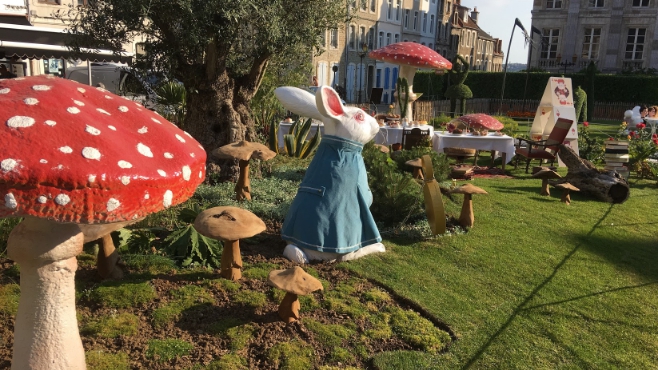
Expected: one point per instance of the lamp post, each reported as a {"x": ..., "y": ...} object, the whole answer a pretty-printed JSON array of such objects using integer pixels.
[
  {"x": 362, "y": 54},
  {"x": 566, "y": 64},
  {"x": 335, "y": 69}
]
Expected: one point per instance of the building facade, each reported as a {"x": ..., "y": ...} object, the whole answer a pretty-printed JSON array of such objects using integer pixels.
[{"x": 616, "y": 35}]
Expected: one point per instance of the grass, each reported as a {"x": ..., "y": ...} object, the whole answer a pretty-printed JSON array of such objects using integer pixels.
[
  {"x": 9, "y": 296},
  {"x": 99, "y": 360},
  {"x": 534, "y": 282},
  {"x": 125, "y": 324},
  {"x": 122, "y": 294},
  {"x": 166, "y": 350},
  {"x": 293, "y": 355},
  {"x": 183, "y": 298}
]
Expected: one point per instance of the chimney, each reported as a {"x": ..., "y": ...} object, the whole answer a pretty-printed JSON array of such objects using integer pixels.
[{"x": 475, "y": 14}]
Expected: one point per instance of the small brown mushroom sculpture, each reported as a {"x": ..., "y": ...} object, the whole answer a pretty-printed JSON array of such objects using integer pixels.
[
  {"x": 566, "y": 189},
  {"x": 466, "y": 218},
  {"x": 295, "y": 282},
  {"x": 244, "y": 151},
  {"x": 229, "y": 224},
  {"x": 383, "y": 148},
  {"x": 417, "y": 165},
  {"x": 546, "y": 175}
]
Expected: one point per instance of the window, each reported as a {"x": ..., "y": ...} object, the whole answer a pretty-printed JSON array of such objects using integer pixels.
[
  {"x": 635, "y": 43},
  {"x": 371, "y": 39},
  {"x": 83, "y": 2},
  {"x": 553, "y": 4},
  {"x": 591, "y": 43},
  {"x": 381, "y": 39},
  {"x": 388, "y": 39},
  {"x": 364, "y": 5},
  {"x": 323, "y": 39},
  {"x": 333, "y": 38},
  {"x": 378, "y": 78},
  {"x": 596, "y": 3},
  {"x": 396, "y": 38},
  {"x": 387, "y": 75},
  {"x": 415, "y": 20},
  {"x": 395, "y": 77},
  {"x": 389, "y": 9},
  {"x": 642, "y": 3},
  {"x": 398, "y": 10},
  {"x": 550, "y": 40},
  {"x": 432, "y": 24},
  {"x": 362, "y": 36},
  {"x": 431, "y": 46},
  {"x": 448, "y": 8},
  {"x": 373, "y": 5},
  {"x": 424, "y": 22},
  {"x": 352, "y": 37},
  {"x": 51, "y": 2},
  {"x": 406, "y": 18}
]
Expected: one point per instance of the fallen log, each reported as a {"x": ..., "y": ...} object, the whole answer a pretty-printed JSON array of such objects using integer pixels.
[{"x": 606, "y": 185}]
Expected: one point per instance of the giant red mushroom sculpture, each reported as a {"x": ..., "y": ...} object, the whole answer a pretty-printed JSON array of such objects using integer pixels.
[
  {"x": 77, "y": 162},
  {"x": 410, "y": 56},
  {"x": 481, "y": 121}
]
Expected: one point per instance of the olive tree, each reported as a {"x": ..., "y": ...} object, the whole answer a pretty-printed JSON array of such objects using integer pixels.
[{"x": 219, "y": 49}]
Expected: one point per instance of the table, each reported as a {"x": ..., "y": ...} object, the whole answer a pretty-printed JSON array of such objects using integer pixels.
[
  {"x": 503, "y": 144},
  {"x": 284, "y": 128},
  {"x": 391, "y": 135}
]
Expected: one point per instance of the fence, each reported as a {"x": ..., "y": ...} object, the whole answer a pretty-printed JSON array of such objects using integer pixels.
[{"x": 425, "y": 110}]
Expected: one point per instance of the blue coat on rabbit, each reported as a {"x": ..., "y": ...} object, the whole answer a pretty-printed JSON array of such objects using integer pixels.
[
  {"x": 330, "y": 219},
  {"x": 331, "y": 210}
]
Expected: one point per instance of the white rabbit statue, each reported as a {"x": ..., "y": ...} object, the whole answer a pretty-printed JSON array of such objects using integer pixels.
[{"x": 330, "y": 219}]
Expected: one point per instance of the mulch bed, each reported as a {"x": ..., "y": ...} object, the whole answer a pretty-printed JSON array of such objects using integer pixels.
[
  {"x": 484, "y": 172},
  {"x": 193, "y": 326}
]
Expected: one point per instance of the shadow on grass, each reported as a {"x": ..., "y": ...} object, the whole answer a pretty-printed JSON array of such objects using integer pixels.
[{"x": 522, "y": 306}]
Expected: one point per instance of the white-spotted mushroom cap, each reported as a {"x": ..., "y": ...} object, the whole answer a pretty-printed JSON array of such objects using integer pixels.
[
  {"x": 468, "y": 189},
  {"x": 411, "y": 54},
  {"x": 481, "y": 120},
  {"x": 228, "y": 223},
  {"x": 294, "y": 280},
  {"x": 76, "y": 153},
  {"x": 244, "y": 151}
]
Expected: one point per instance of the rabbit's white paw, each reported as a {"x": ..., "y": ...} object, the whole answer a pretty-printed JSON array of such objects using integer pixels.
[
  {"x": 295, "y": 254},
  {"x": 370, "y": 249}
]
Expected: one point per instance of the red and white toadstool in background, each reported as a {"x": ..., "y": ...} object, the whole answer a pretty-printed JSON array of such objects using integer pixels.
[
  {"x": 410, "y": 56},
  {"x": 481, "y": 121},
  {"x": 77, "y": 162}
]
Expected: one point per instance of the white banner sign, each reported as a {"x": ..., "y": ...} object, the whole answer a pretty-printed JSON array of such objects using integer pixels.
[{"x": 13, "y": 7}]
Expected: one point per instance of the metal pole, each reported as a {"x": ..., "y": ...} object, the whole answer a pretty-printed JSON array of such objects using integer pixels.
[
  {"x": 89, "y": 71},
  {"x": 502, "y": 93},
  {"x": 527, "y": 69}
]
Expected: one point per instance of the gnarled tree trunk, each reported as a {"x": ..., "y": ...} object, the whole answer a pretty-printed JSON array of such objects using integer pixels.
[{"x": 608, "y": 186}]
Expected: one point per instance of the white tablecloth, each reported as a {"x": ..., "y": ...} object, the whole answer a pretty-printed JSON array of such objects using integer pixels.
[
  {"x": 391, "y": 135},
  {"x": 284, "y": 128},
  {"x": 504, "y": 144}
]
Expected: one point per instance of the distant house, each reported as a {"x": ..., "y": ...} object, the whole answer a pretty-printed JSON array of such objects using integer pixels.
[{"x": 616, "y": 35}]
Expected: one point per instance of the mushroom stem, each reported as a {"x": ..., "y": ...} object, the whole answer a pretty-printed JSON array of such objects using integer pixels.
[
  {"x": 231, "y": 261},
  {"x": 409, "y": 72},
  {"x": 289, "y": 308},
  {"x": 566, "y": 198},
  {"x": 108, "y": 258},
  {"x": 418, "y": 174},
  {"x": 46, "y": 330},
  {"x": 544, "y": 187},
  {"x": 466, "y": 218},
  {"x": 243, "y": 186}
]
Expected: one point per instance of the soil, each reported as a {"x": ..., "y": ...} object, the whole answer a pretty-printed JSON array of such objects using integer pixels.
[{"x": 193, "y": 325}]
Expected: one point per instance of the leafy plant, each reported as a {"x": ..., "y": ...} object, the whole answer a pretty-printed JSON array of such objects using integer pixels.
[
  {"x": 172, "y": 101},
  {"x": 580, "y": 103},
  {"x": 458, "y": 90},
  {"x": 510, "y": 125},
  {"x": 439, "y": 121},
  {"x": 295, "y": 143},
  {"x": 187, "y": 247},
  {"x": 273, "y": 137},
  {"x": 402, "y": 87},
  {"x": 589, "y": 146}
]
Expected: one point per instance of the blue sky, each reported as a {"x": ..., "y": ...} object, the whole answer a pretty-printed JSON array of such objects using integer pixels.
[{"x": 497, "y": 18}]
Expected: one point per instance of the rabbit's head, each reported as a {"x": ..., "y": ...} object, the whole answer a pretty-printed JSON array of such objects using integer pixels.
[
  {"x": 339, "y": 120},
  {"x": 347, "y": 122}
]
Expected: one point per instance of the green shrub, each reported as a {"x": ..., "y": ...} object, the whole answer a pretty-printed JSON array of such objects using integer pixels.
[
  {"x": 6, "y": 225},
  {"x": 440, "y": 162},
  {"x": 99, "y": 360},
  {"x": 510, "y": 125},
  {"x": 112, "y": 326},
  {"x": 589, "y": 147},
  {"x": 439, "y": 121},
  {"x": 167, "y": 349},
  {"x": 119, "y": 294}
]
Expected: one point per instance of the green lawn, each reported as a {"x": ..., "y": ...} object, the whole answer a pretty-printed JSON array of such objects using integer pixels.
[{"x": 536, "y": 284}]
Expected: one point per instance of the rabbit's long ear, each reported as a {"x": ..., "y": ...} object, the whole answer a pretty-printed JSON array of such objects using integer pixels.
[
  {"x": 329, "y": 103},
  {"x": 298, "y": 101}
]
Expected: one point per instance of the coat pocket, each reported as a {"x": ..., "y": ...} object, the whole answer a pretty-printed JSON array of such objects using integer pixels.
[{"x": 317, "y": 190}]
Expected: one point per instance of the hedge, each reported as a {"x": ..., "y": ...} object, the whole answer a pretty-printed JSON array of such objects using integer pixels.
[{"x": 609, "y": 88}]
